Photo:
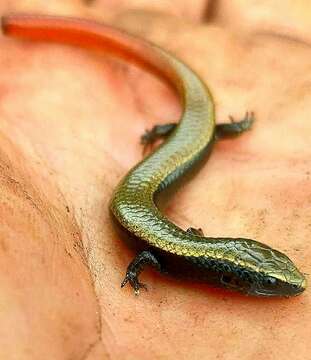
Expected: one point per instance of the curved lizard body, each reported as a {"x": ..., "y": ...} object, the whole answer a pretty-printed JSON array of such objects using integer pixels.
[{"x": 239, "y": 264}]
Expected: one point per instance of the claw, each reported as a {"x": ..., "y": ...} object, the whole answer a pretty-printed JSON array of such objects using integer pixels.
[{"x": 139, "y": 286}]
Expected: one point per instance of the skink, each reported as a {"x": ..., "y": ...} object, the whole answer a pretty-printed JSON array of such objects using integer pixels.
[{"x": 235, "y": 263}]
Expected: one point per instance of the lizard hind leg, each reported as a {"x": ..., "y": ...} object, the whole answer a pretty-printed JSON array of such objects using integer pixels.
[
  {"x": 235, "y": 128},
  {"x": 136, "y": 266}
]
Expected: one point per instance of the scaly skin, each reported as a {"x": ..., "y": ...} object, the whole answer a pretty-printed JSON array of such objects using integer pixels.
[{"x": 240, "y": 264}]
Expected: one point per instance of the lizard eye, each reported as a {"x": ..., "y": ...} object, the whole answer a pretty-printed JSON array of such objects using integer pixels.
[{"x": 270, "y": 280}]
